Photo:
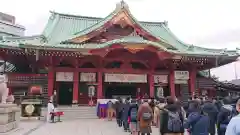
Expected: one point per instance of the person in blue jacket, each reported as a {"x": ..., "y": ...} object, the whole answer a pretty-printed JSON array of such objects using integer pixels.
[
  {"x": 233, "y": 128},
  {"x": 198, "y": 122}
]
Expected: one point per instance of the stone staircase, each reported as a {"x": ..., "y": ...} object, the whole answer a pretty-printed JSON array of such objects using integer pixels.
[{"x": 75, "y": 112}]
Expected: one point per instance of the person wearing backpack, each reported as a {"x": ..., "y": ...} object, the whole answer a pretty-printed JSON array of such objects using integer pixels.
[
  {"x": 132, "y": 114},
  {"x": 171, "y": 120},
  {"x": 198, "y": 121},
  {"x": 224, "y": 116},
  {"x": 145, "y": 117}
]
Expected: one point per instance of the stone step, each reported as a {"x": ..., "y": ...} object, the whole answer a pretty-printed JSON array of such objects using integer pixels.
[
  {"x": 73, "y": 108},
  {"x": 75, "y": 112}
]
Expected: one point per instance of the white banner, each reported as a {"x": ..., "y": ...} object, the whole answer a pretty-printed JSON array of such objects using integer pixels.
[
  {"x": 64, "y": 76},
  {"x": 160, "y": 92},
  {"x": 181, "y": 75},
  {"x": 178, "y": 81},
  {"x": 160, "y": 78},
  {"x": 88, "y": 77},
  {"x": 129, "y": 78}
]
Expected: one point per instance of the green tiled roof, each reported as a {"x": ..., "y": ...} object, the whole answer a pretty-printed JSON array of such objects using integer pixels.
[{"x": 62, "y": 27}]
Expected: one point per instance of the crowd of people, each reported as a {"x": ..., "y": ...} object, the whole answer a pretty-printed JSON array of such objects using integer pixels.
[{"x": 173, "y": 117}]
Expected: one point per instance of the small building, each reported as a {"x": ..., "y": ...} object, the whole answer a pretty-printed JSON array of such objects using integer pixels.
[
  {"x": 8, "y": 27},
  {"x": 85, "y": 58}
]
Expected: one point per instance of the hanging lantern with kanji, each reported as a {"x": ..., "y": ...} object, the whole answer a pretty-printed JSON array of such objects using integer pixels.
[{"x": 35, "y": 90}]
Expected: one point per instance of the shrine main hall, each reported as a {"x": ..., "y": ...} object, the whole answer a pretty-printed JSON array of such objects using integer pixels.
[{"x": 85, "y": 58}]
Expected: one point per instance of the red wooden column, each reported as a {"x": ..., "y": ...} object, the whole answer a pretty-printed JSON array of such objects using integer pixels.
[
  {"x": 50, "y": 81},
  {"x": 151, "y": 85},
  {"x": 192, "y": 80},
  {"x": 75, "y": 86},
  {"x": 99, "y": 87},
  {"x": 172, "y": 83}
]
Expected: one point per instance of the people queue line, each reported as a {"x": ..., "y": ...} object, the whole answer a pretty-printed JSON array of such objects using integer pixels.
[{"x": 172, "y": 117}]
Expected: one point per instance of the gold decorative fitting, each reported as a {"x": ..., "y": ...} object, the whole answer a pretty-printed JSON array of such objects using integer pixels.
[{"x": 29, "y": 109}]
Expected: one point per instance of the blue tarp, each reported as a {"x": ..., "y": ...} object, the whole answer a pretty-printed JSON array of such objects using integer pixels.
[{"x": 101, "y": 106}]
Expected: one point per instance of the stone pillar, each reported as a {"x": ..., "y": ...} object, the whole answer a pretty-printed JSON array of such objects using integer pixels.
[
  {"x": 172, "y": 83},
  {"x": 75, "y": 87},
  {"x": 50, "y": 81},
  {"x": 151, "y": 85},
  {"x": 99, "y": 87},
  {"x": 192, "y": 81}
]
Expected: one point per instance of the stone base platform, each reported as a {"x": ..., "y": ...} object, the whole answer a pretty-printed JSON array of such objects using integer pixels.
[{"x": 9, "y": 117}]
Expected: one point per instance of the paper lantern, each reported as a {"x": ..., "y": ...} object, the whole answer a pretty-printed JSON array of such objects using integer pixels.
[{"x": 36, "y": 90}]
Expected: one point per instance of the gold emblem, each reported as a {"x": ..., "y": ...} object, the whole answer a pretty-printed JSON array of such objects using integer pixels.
[{"x": 29, "y": 109}]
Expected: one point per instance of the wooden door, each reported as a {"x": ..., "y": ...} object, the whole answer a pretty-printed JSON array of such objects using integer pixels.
[{"x": 83, "y": 94}]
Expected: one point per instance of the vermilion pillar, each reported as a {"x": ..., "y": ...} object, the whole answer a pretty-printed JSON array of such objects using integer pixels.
[
  {"x": 75, "y": 87},
  {"x": 192, "y": 80},
  {"x": 151, "y": 85},
  {"x": 99, "y": 87},
  {"x": 50, "y": 81},
  {"x": 172, "y": 83}
]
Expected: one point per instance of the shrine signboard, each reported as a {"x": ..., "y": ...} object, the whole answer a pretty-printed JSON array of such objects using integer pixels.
[
  {"x": 181, "y": 77},
  {"x": 160, "y": 79},
  {"x": 88, "y": 77},
  {"x": 126, "y": 78},
  {"x": 64, "y": 76}
]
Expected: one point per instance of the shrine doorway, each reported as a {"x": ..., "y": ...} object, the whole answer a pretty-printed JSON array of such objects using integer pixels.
[
  {"x": 65, "y": 93},
  {"x": 115, "y": 90}
]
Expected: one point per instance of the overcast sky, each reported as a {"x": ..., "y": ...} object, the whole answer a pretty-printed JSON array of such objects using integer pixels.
[{"x": 207, "y": 23}]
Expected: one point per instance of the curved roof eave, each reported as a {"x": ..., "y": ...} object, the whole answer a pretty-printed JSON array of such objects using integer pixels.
[
  {"x": 10, "y": 46},
  {"x": 201, "y": 54},
  {"x": 155, "y": 44},
  {"x": 198, "y": 48}
]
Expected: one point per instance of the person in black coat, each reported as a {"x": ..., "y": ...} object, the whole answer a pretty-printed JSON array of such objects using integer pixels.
[
  {"x": 212, "y": 113},
  {"x": 224, "y": 115},
  {"x": 133, "y": 121},
  {"x": 124, "y": 117},
  {"x": 119, "y": 108}
]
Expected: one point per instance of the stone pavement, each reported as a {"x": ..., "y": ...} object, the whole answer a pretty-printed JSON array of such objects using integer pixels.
[
  {"x": 79, "y": 127},
  {"x": 26, "y": 127}
]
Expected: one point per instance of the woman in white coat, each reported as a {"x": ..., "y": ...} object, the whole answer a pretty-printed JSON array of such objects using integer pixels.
[{"x": 50, "y": 110}]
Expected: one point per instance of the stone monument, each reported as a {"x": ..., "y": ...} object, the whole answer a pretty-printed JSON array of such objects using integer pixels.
[{"x": 9, "y": 112}]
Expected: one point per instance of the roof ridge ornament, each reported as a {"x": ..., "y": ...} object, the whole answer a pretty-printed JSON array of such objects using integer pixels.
[
  {"x": 190, "y": 47},
  {"x": 122, "y": 5},
  {"x": 53, "y": 15},
  {"x": 238, "y": 50},
  {"x": 165, "y": 23},
  {"x": 223, "y": 51}
]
